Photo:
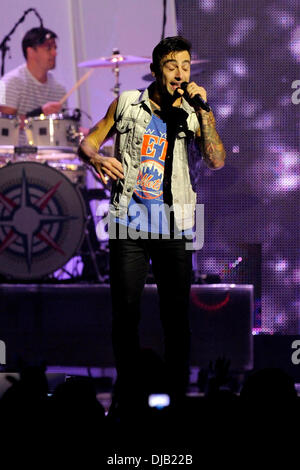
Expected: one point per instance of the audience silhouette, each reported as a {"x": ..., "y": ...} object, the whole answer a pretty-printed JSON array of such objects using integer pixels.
[{"x": 217, "y": 415}]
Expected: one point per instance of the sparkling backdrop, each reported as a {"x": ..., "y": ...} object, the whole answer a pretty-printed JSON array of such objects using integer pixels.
[{"x": 253, "y": 53}]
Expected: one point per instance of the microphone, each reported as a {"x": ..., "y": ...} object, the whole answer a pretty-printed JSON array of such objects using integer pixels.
[{"x": 197, "y": 101}]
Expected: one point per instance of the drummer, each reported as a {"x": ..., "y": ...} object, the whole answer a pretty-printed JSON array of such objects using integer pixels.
[{"x": 30, "y": 89}]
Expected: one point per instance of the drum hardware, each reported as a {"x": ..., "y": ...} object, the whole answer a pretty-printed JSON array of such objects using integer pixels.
[
  {"x": 93, "y": 257},
  {"x": 116, "y": 71},
  {"x": 9, "y": 129},
  {"x": 76, "y": 171},
  {"x": 53, "y": 152},
  {"x": 93, "y": 252},
  {"x": 76, "y": 114},
  {"x": 70, "y": 271},
  {"x": 61, "y": 158},
  {"x": 56, "y": 153},
  {"x": 73, "y": 135},
  {"x": 116, "y": 60},
  {"x": 25, "y": 150}
]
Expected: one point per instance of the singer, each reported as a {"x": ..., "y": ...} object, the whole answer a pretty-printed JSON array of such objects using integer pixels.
[{"x": 150, "y": 175}]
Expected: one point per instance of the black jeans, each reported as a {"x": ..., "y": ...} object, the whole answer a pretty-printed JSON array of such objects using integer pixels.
[{"x": 172, "y": 267}]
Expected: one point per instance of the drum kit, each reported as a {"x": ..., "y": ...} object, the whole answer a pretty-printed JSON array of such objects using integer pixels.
[{"x": 45, "y": 218}]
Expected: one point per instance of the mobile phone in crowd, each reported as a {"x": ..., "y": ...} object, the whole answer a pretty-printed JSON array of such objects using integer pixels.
[{"x": 158, "y": 400}]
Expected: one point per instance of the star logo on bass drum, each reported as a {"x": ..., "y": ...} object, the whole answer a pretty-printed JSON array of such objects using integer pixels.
[
  {"x": 34, "y": 215},
  {"x": 27, "y": 220}
]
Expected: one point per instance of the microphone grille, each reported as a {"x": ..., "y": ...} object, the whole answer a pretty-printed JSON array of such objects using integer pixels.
[{"x": 184, "y": 85}]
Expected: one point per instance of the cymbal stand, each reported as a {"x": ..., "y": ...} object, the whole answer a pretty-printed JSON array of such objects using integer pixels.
[
  {"x": 116, "y": 88},
  {"x": 100, "y": 278},
  {"x": 116, "y": 71}
]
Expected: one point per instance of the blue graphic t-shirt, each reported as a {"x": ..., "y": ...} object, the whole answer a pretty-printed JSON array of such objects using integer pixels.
[{"x": 146, "y": 210}]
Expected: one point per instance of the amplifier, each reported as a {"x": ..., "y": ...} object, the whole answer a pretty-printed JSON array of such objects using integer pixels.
[
  {"x": 70, "y": 325},
  {"x": 221, "y": 323}
]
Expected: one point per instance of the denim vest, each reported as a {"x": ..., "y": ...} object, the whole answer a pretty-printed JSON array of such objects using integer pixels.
[{"x": 132, "y": 117}]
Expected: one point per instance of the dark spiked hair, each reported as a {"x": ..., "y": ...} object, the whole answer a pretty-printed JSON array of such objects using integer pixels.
[
  {"x": 36, "y": 37},
  {"x": 165, "y": 46}
]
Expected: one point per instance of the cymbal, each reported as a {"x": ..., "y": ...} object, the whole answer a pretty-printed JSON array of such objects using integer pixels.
[{"x": 115, "y": 59}]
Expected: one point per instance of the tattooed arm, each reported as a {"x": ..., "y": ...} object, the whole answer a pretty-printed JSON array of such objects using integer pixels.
[
  {"x": 88, "y": 149},
  {"x": 209, "y": 141}
]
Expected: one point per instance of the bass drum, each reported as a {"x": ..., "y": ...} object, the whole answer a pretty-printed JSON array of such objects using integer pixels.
[{"x": 42, "y": 220}]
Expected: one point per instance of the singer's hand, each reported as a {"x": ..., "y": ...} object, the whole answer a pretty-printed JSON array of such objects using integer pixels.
[
  {"x": 193, "y": 89},
  {"x": 105, "y": 166}
]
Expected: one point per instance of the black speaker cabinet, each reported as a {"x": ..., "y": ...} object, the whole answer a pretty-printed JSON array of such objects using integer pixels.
[
  {"x": 70, "y": 325},
  {"x": 221, "y": 323}
]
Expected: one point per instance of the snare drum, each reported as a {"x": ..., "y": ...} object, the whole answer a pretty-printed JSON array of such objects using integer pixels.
[
  {"x": 59, "y": 130},
  {"x": 9, "y": 129}
]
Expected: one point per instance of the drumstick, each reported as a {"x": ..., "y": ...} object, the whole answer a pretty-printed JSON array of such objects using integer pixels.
[{"x": 77, "y": 84}]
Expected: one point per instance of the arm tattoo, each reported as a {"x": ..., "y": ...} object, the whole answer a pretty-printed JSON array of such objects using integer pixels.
[{"x": 210, "y": 143}]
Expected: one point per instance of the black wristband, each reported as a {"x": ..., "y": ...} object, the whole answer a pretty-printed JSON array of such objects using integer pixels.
[{"x": 35, "y": 112}]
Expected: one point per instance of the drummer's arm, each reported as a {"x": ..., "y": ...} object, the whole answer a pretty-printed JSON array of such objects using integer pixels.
[
  {"x": 52, "y": 107},
  {"x": 13, "y": 112},
  {"x": 8, "y": 110},
  {"x": 90, "y": 145}
]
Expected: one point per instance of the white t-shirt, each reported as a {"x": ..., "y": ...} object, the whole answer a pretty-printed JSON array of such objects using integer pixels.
[{"x": 21, "y": 90}]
